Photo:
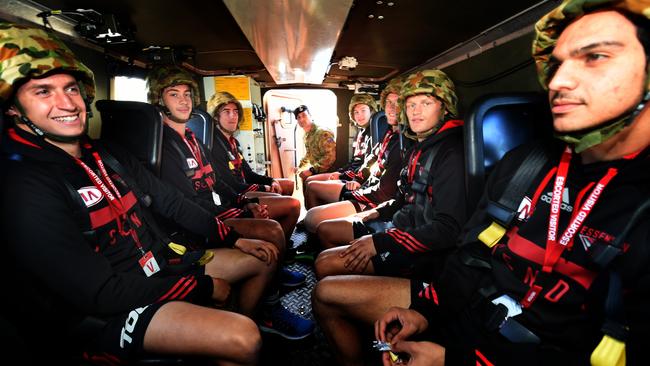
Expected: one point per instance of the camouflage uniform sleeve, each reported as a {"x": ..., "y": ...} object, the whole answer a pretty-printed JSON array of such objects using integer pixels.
[{"x": 327, "y": 152}]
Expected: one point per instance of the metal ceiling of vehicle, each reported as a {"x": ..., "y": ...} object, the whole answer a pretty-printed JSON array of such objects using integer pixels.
[{"x": 386, "y": 37}]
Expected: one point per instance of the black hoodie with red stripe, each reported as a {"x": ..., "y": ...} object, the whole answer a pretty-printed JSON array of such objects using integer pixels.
[
  {"x": 361, "y": 148},
  {"x": 201, "y": 185},
  {"x": 568, "y": 312},
  {"x": 59, "y": 275},
  {"x": 381, "y": 178},
  {"x": 433, "y": 228},
  {"x": 235, "y": 172}
]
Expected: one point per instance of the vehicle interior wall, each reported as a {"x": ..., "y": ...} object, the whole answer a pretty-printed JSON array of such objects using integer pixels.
[
  {"x": 344, "y": 131},
  {"x": 506, "y": 68}
]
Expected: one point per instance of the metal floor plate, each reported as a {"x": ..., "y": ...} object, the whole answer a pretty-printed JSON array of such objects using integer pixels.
[{"x": 313, "y": 350}]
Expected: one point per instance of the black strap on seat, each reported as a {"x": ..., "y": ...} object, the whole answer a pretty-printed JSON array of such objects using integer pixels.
[
  {"x": 421, "y": 182},
  {"x": 189, "y": 172},
  {"x": 80, "y": 211},
  {"x": 603, "y": 255},
  {"x": 143, "y": 198},
  {"x": 504, "y": 210}
]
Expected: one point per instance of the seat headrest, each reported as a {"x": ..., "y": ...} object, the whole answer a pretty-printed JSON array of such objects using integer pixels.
[{"x": 135, "y": 126}]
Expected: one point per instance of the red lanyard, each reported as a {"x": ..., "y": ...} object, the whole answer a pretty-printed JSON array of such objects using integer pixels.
[
  {"x": 113, "y": 196},
  {"x": 415, "y": 156},
  {"x": 235, "y": 153},
  {"x": 384, "y": 145},
  {"x": 193, "y": 145},
  {"x": 555, "y": 248},
  {"x": 357, "y": 144}
]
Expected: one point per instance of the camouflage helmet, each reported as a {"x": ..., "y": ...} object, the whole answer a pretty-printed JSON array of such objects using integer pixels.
[
  {"x": 220, "y": 99},
  {"x": 27, "y": 52},
  {"x": 433, "y": 82},
  {"x": 547, "y": 31},
  {"x": 393, "y": 86},
  {"x": 366, "y": 99},
  {"x": 169, "y": 75}
]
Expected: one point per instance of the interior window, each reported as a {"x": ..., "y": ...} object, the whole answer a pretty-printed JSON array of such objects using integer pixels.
[{"x": 128, "y": 88}]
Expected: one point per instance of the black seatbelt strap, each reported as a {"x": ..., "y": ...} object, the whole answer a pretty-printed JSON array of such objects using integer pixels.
[
  {"x": 421, "y": 182},
  {"x": 80, "y": 211},
  {"x": 188, "y": 171},
  {"x": 143, "y": 198},
  {"x": 615, "y": 329},
  {"x": 504, "y": 210}
]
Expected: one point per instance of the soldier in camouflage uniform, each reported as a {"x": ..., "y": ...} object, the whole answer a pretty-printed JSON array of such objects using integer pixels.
[
  {"x": 86, "y": 272},
  {"x": 319, "y": 144}
]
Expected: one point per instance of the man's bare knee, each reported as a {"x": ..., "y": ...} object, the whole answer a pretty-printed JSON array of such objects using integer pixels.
[
  {"x": 276, "y": 236},
  {"x": 295, "y": 205},
  {"x": 324, "y": 231},
  {"x": 324, "y": 293},
  {"x": 326, "y": 264},
  {"x": 247, "y": 342},
  {"x": 311, "y": 220}
]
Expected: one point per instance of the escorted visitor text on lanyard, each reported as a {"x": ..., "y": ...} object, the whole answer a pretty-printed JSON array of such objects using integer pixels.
[{"x": 554, "y": 247}]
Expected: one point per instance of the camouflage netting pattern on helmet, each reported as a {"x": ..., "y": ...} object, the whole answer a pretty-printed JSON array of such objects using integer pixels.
[
  {"x": 170, "y": 75},
  {"x": 222, "y": 98},
  {"x": 28, "y": 52}
]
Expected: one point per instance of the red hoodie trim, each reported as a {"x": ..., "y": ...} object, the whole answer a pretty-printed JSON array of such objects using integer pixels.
[{"x": 14, "y": 136}]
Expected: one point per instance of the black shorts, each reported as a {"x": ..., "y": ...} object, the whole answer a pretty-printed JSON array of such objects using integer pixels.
[
  {"x": 120, "y": 337},
  {"x": 345, "y": 194},
  {"x": 397, "y": 263},
  {"x": 360, "y": 228}
]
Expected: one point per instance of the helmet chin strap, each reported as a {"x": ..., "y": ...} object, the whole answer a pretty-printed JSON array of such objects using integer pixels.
[
  {"x": 585, "y": 139},
  {"x": 50, "y": 136},
  {"x": 47, "y": 135},
  {"x": 169, "y": 114},
  {"x": 224, "y": 129}
]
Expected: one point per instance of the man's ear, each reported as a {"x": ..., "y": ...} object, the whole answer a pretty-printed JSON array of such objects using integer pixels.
[{"x": 13, "y": 111}]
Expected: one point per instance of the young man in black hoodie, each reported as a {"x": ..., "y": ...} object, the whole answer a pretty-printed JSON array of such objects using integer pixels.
[
  {"x": 561, "y": 284},
  {"x": 88, "y": 271},
  {"x": 408, "y": 237},
  {"x": 187, "y": 165},
  {"x": 230, "y": 165}
]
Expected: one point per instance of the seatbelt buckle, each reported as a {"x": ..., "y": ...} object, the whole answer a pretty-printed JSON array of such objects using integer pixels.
[
  {"x": 513, "y": 331},
  {"x": 501, "y": 214},
  {"x": 602, "y": 254},
  {"x": 492, "y": 234}
]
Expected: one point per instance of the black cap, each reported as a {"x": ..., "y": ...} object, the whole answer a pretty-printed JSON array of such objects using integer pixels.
[{"x": 300, "y": 109}]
